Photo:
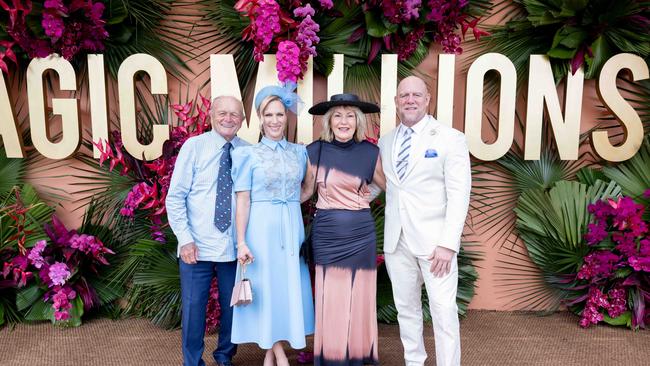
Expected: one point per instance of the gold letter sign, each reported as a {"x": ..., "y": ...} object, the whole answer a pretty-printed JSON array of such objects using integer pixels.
[
  {"x": 66, "y": 107},
  {"x": 132, "y": 65},
  {"x": 624, "y": 112},
  {"x": 8, "y": 129}
]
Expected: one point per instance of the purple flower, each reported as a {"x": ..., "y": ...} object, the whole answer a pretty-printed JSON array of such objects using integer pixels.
[
  {"x": 646, "y": 194},
  {"x": 401, "y": 11},
  {"x": 288, "y": 64},
  {"x": 407, "y": 46},
  {"x": 303, "y": 11},
  {"x": 61, "y": 303},
  {"x": 617, "y": 302},
  {"x": 596, "y": 232},
  {"x": 599, "y": 264},
  {"x": 53, "y": 26},
  {"x": 56, "y": 5},
  {"x": 91, "y": 245},
  {"x": 266, "y": 26},
  {"x": 59, "y": 273},
  {"x": 213, "y": 309},
  {"x": 326, "y": 4},
  {"x": 306, "y": 40},
  {"x": 35, "y": 255},
  {"x": 448, "y": 14},
  {"x": 590, "y": 314},
  {"x": 639, "y": 263}
]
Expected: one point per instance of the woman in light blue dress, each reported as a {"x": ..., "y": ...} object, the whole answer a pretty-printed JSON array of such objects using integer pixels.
[{"x": 267, "y": 178}]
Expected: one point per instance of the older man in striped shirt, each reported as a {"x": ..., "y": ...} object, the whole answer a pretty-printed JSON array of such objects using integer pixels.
[{"x": 200, "y": 209}]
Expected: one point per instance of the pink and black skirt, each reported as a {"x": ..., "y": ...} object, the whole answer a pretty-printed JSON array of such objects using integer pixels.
[{"x": 344, "y": 246}]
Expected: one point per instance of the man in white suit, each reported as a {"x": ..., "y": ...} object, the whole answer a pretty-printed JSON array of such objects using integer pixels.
[{"x": 428, "y": 182}]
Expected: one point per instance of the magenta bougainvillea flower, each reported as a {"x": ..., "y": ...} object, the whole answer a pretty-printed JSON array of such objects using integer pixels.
[
  {"x": 617, "y": 266},
  {"x": 69, "y": 27},
  {"x": 401, "y": 11}
]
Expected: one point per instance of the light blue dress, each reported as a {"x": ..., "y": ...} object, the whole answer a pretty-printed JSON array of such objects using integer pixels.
[{"x": 282, "y": 307}]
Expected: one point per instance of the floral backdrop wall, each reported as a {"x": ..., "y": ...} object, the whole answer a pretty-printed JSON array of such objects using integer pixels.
[{"x": 587, "y": 250}]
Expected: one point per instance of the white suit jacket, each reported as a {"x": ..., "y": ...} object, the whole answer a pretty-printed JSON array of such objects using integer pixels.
[{"x": 430, "y": 204}]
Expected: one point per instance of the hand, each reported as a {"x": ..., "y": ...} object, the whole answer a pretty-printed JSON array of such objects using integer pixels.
[
  {"x": 441, "y": 261},
  {"x": 244, "y": 254},
  {"x": 190, "y": 253}
]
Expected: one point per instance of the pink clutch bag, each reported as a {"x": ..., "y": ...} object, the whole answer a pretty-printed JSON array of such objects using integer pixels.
[{"x": 242, "y": 293}]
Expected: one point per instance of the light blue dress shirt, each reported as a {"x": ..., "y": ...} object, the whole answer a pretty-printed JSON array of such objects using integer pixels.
[{"x": 191, "y": 198}]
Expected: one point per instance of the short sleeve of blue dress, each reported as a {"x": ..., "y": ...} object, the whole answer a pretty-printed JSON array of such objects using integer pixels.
[{"x": 242, "y": 169}]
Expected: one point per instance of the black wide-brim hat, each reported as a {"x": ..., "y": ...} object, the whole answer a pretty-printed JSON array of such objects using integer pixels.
[{"x": 343, "y": 100}]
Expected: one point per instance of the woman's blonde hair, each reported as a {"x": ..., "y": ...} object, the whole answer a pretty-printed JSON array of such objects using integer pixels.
[
  {"x": 360, "y": 130},
  {"x": 265, "y": 103}
]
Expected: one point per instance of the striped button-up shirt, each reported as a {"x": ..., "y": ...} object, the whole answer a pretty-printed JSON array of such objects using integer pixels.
[{"x": 192, "y": 194}]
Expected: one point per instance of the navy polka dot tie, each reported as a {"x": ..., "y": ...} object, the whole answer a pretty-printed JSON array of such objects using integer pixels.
[{"x": 223, "y": 204}]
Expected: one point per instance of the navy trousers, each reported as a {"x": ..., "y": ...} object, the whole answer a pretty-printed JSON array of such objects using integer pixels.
[{"x": 195, "y": 291}]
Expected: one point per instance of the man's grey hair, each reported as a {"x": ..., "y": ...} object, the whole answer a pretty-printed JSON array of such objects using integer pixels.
[{"x": 218, "y": 99}]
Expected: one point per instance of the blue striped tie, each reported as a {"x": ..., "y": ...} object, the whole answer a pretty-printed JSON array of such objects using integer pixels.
[
  {"x": 223, "y": 204},
  {"x": 403, "y": 156}
]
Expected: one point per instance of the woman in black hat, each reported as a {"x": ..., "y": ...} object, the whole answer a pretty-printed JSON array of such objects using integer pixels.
[{"x": 342, "y": 164}]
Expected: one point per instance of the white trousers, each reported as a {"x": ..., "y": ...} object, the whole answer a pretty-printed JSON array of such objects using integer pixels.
[{"x": 407, "y": 274}]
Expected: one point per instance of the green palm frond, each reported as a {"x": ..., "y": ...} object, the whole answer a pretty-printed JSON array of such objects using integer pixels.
[
  {"x": 12, "y": 172},
  {"x": 38, "y": 214},
  {"x": 138, "y": 26},
  {"x": 551, "y": 224},
  {"x": 9, "y": 314},
  {"x": 156, "y": 292}
]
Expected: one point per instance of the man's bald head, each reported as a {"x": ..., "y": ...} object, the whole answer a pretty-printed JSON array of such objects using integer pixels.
[{"x": 412, "y": 100}]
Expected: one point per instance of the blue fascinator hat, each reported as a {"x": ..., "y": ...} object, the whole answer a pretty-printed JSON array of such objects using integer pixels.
[{"x": 286, "y": 94}]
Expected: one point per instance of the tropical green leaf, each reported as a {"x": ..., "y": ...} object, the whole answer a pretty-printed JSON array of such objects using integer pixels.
[
  {"x": 37, "y": 214},
  {"x": 40, "y": 311},
  {"x": 27, "y": 296},
  {"x": 12, "y": 172},
  {"x": 376, "y": 27},
  {"x": 498, "y": 184},
  {"x": 8, "y": 313},
  {"x": 589, "y": 176},
  {"x": 552, "y": 224},
  {"x": 155, "y": 293},
  {"x": 138, "y": 26},
  {"x": 600, "y": 53},
  {"x": 623, "y": 319},
  {"x": 76, "y": 312},
  {"x": 566, "y": 42}
]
